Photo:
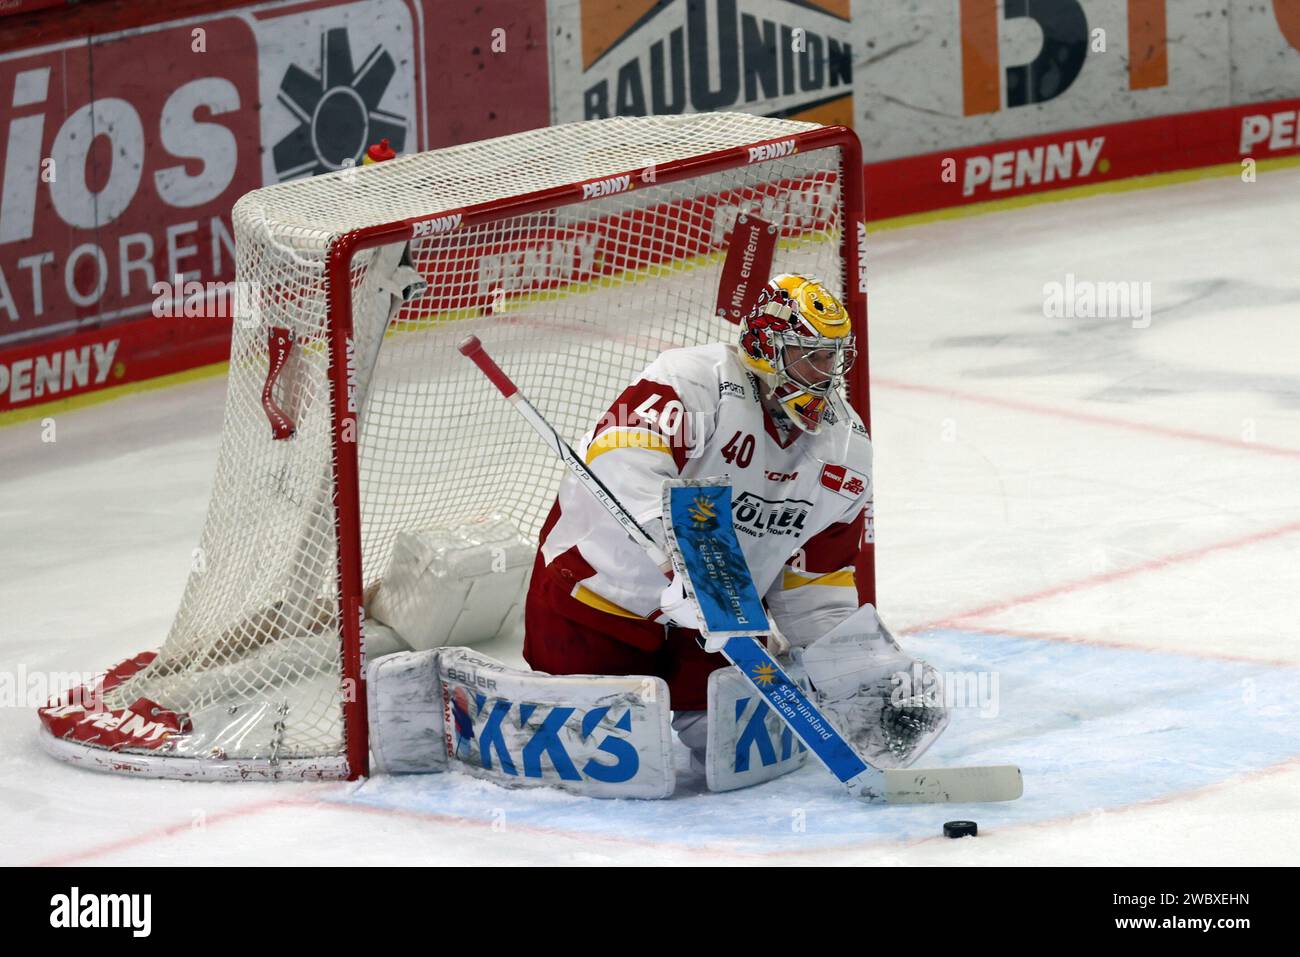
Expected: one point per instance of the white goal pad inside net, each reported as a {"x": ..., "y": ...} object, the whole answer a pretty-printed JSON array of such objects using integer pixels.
[{"x": 577, "y": 254}]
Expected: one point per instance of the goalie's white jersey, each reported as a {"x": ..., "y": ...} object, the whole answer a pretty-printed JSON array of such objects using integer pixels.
[{"x": 798, "y": 499}]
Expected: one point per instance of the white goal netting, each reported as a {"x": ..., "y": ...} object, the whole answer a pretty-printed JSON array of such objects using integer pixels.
[{"x": 572, "y": 300}]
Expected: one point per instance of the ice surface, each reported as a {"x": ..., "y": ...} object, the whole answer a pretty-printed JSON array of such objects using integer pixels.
[{"x": 1105, "y": 518}]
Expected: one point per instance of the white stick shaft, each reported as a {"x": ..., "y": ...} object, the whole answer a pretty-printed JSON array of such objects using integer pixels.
[
  {"x": 473, "y": 349},
  {"x": 588, "y": 478}
]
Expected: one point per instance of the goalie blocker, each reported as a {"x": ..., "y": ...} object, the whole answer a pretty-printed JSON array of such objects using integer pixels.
[{"x": 597, "y": 735}]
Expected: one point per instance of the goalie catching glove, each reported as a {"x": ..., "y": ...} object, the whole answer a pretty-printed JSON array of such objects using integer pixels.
[{"x": 888, "y": 704}]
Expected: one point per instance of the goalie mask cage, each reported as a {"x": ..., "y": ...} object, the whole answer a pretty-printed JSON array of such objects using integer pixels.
[{"x": 577, "y": 253}]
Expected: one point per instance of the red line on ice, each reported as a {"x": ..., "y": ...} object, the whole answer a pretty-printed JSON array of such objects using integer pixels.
[
  {"x": 1105, "y": 578},
  {"x": 160, "y": 833},
  {"x": 1091, "y": 418},
  {"x": 298, "y": 805}
]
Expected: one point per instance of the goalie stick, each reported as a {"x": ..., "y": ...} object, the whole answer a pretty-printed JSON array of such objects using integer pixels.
[{"x": 760, "y": 669}]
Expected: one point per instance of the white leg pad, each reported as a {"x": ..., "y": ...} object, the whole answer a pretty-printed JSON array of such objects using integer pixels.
[
  {"x": 598, "y": 735},
  {"x": 404, "y": 704},
  {"x": 748, "y": 744}
]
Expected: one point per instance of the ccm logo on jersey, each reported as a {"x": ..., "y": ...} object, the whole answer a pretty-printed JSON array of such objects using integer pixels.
[
  {"x": 437, "y": 225},
  {"x": 771, "y": 151},
  {"x": 607, "y": 187},
  {"x": 843, "y": 481}
]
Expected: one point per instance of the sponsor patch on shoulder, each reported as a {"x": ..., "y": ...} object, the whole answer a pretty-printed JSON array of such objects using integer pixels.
[
  {"x": 726, "y": 388},
  {"x": 844, "y": 481}
]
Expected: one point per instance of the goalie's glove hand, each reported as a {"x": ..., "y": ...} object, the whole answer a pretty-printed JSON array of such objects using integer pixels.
[
  {"x": 910, "y": 714},
  {"x": 679, "y": 609},
  {"x": 889, "y": 705}
]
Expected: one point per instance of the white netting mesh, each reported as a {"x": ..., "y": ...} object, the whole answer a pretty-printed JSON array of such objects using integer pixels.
[{"x": 571, "y": 301}]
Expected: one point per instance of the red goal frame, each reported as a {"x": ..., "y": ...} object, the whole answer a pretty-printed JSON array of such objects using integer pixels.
[{"x": 343, "y": 411}]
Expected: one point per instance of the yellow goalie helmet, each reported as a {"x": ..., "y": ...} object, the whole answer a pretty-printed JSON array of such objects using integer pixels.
[{"x": 798, "y": 339}]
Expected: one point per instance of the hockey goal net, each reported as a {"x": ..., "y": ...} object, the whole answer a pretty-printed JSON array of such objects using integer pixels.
[{"x": 577, "y": 254}]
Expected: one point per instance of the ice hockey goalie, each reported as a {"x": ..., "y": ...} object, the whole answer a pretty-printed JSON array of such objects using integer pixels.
[{"x": 767, "y": 412}]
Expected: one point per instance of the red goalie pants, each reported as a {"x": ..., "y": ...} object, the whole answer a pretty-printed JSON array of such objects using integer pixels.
[{"x": 557, "y": 643}]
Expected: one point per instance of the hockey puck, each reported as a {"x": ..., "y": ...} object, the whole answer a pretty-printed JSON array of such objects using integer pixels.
[{"x": 960, "y": 829}]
